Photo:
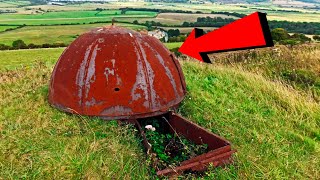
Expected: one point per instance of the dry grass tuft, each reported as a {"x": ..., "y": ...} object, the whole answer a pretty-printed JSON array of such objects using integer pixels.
[{"x": 298, "y": 66}]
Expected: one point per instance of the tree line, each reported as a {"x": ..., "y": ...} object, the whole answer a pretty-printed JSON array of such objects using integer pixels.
[
  {"x": 20, "y": 44},
  {"x": 282, "y": 36},
  {"x": 13, "y": 28},
  {"x": 292, "y": 27},
  {"x": 298, "y": 27},
  {"x": 123, "y": 10}
]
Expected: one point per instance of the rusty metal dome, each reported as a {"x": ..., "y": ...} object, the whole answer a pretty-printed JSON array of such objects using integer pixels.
[{"x": 116, "y": 73}]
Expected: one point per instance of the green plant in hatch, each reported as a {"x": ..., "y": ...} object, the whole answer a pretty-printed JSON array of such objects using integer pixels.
[{"x": 170, "y": 148}]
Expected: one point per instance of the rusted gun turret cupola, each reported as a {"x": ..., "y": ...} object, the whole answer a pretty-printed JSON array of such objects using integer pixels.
[{"x": 116, "y": 73}]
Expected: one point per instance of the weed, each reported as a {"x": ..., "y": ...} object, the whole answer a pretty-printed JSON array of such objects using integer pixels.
[{"x": 170, "y": 148}]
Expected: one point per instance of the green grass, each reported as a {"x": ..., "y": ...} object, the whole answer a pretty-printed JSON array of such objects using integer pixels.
[
  {"x": 173, "y": 45},
  {"x": 147, "y": 13},
  {"x": 10, "y": 60},
  {"x": 54, "y": 34},
  {"x": 3, "y": 28},
  {"x": 274, "y": 128},
  {"x": 62, "y": 14},
  {"x": 39, "y": 142},
  {"x": 298, "y": 66},
  {"x": 63, "y": 17},
  {"x": 295, "y": 17}
]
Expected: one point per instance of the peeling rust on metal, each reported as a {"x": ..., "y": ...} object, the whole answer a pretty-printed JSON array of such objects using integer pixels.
[
  {"x": 116, "y": 110},
  {"x": 116, "y": 73}
]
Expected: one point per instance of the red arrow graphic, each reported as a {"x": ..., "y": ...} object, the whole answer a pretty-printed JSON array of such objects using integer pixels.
[{"x": 250, "y": 32}]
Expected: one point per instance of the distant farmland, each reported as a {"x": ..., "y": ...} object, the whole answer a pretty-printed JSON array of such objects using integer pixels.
[
  {"x": 175, "y": 18},
  {"x": 68, "y": 17},
  {"x": 53, "y": 34},
  {"x": 4, "y": 28},
  {"x": 189, "y": 29},
  {"x": 181, "y": 17}
]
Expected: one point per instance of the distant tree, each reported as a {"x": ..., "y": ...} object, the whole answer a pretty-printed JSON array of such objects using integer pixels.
[
  {"x": 19, "y": 44},
  {"x": 185, "y": 24},
  {"x": 172, "y": 39},
  {"x": 173, "y": 32},
  {"x": 297, "y": 27},
  {"x": 58, "y": 45},
  {"x": 32, "y": 46},
  {"x": 183, "y": 38},
  {"x": 290, "y": 42},
  {"x": 135, "y": 22},
  {"x": 300, "y": 37},
  {"x": 279, "y": 34},
  {"x": 46, "y": 45},
  {"x": 316, "y": 37},
  {"x": 4, "y": 47},
  {"x": 124, "y": 10}
]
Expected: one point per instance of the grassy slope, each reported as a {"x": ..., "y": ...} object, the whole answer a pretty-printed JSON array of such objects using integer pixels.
[
  {"x": 173, "y": 45},
  {"x": 274, "y": 129},
  {"x": 10, "y": 60},
  {"x": 298, "y": 65},
  {"x": 40, "y": 142}
]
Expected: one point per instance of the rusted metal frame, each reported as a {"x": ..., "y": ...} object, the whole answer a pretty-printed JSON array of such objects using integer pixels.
[
  {"x": 208, "y": 155},
  {"x": 216, "y": 160},
  {"x": 183, "y": 126},
  {"x": 217, "y": 155}
]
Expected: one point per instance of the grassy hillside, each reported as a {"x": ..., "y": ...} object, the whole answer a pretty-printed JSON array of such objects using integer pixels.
[
  {"x": 40, "y": 142},
  {"x": 298, "y": 66},
  {"x": 10, "y": 60},
  {"x": 274, "y": 128}
]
